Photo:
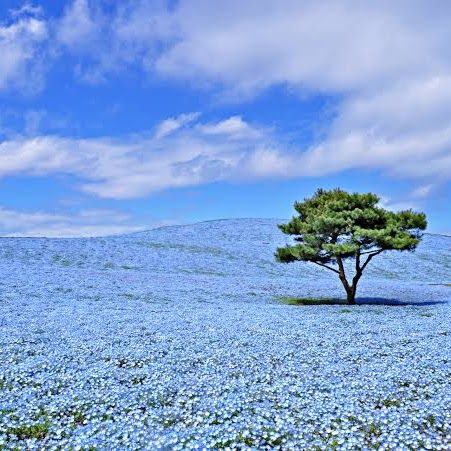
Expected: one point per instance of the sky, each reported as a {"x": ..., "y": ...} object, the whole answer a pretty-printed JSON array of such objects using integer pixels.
[{"x": 120, "y": 116}]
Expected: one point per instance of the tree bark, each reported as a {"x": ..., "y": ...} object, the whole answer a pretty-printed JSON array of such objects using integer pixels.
[
  {"x": 351, "y": 289},
  {"x": 351, "y": 296},
  {"x": 350, "y": 292}
]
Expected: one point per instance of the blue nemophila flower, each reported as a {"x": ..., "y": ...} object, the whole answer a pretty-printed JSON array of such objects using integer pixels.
[{"x": 179, "y": 343}]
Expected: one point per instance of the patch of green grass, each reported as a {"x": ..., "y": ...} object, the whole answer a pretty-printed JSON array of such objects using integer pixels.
[
  {"x": 289, "y": 300},
  {"x": 6, "y": 385},
  {"x": 387, "y": 403},
  {"x": 391, "y": 402},
  {"x": 29, "y": 431},
  {"x": 248, "y": 441},
  {"x": 138, "y": 379},
  {"x": 431, "y": 419},
  {"x": 10, "y": 413},
  {"x": 371, "y": 430},
  {"x": 79, "y": 417}
]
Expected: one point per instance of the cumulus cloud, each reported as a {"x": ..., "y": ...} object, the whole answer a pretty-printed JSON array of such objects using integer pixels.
[
  {"x": 21, "y": 53},
  {"x": 86, "y": 223}
]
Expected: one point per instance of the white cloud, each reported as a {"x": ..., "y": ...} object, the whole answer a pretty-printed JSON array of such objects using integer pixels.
[
  {"x": 341, "y": 47},
  {"x": 78, "y": 27},
  {"x": 184, "y": 152},
  {"x": 27, "y": 9},
  {"x": 388, "y": 63},
  {"x": 108, "y": 40},
  {"x": 394, "y": 205},
  {"x": 172, "y": 124},
  {"x": 234, "y": 127},
  {"x": 423, "y": 191},
  {"x": 139, "y": 165},
  {"x": 85, "y": 34},
  {"x": 21, "y": 53},
  {"x": 85, "y": 223}
]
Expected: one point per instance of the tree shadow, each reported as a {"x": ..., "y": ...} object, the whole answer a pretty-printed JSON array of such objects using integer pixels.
[
  {"x": 395, "y": 302},
  {"x": 288, "y": 300}
]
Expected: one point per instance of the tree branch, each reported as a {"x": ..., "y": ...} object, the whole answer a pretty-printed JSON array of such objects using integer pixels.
[
  {"x": 370, "y": 252},
  {"x": 342, "y": 273},
  {"x": 357, "y": 261},
  {"x": 341, "y": 266},
  {"x": 325, "y": 266},
  {"x": 370, "y": 256}
]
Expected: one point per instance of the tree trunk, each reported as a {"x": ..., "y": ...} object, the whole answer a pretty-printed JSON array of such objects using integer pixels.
[
  {"x": 351, "y": 295},
  {"x": 353, "y": 287},
  {"x": 350, "y": 289}
]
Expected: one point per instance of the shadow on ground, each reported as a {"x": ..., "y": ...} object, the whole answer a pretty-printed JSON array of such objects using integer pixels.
[
  {"x": 289, "y": 300},
  {"x": 395, "y": 302}
]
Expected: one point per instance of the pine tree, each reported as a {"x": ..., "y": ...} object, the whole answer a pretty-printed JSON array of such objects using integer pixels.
[{"x": 334, "y": 226}]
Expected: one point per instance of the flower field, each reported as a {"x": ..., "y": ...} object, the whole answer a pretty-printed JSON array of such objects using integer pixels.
[{"x": 176, "y": 339}]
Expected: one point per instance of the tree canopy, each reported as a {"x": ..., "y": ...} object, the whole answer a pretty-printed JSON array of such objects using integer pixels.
[{"x": 334, "y": 225}]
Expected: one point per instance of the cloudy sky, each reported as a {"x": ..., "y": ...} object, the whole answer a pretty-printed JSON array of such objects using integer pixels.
[{"x": 118, "y": 116}]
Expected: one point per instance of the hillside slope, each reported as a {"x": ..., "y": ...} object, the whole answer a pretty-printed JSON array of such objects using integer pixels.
[
  {"x": 174, "y": 338},
  {"x": 220, "y": 256}
]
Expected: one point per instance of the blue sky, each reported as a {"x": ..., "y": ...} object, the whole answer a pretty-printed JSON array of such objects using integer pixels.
[{"x": 122, "y": 116}]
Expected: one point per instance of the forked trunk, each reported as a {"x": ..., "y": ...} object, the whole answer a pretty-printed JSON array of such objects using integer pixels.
[{"x": 350, "y": 289}]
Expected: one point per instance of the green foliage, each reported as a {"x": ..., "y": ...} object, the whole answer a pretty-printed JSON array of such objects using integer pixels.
[{"x": 335, "y": 225}]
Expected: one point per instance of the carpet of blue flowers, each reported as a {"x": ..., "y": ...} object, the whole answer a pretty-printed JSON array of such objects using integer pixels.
[{"x": 175, "y": 339}]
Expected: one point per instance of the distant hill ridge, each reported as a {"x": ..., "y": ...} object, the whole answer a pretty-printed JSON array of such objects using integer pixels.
[{"x": 241, "y": 248}]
